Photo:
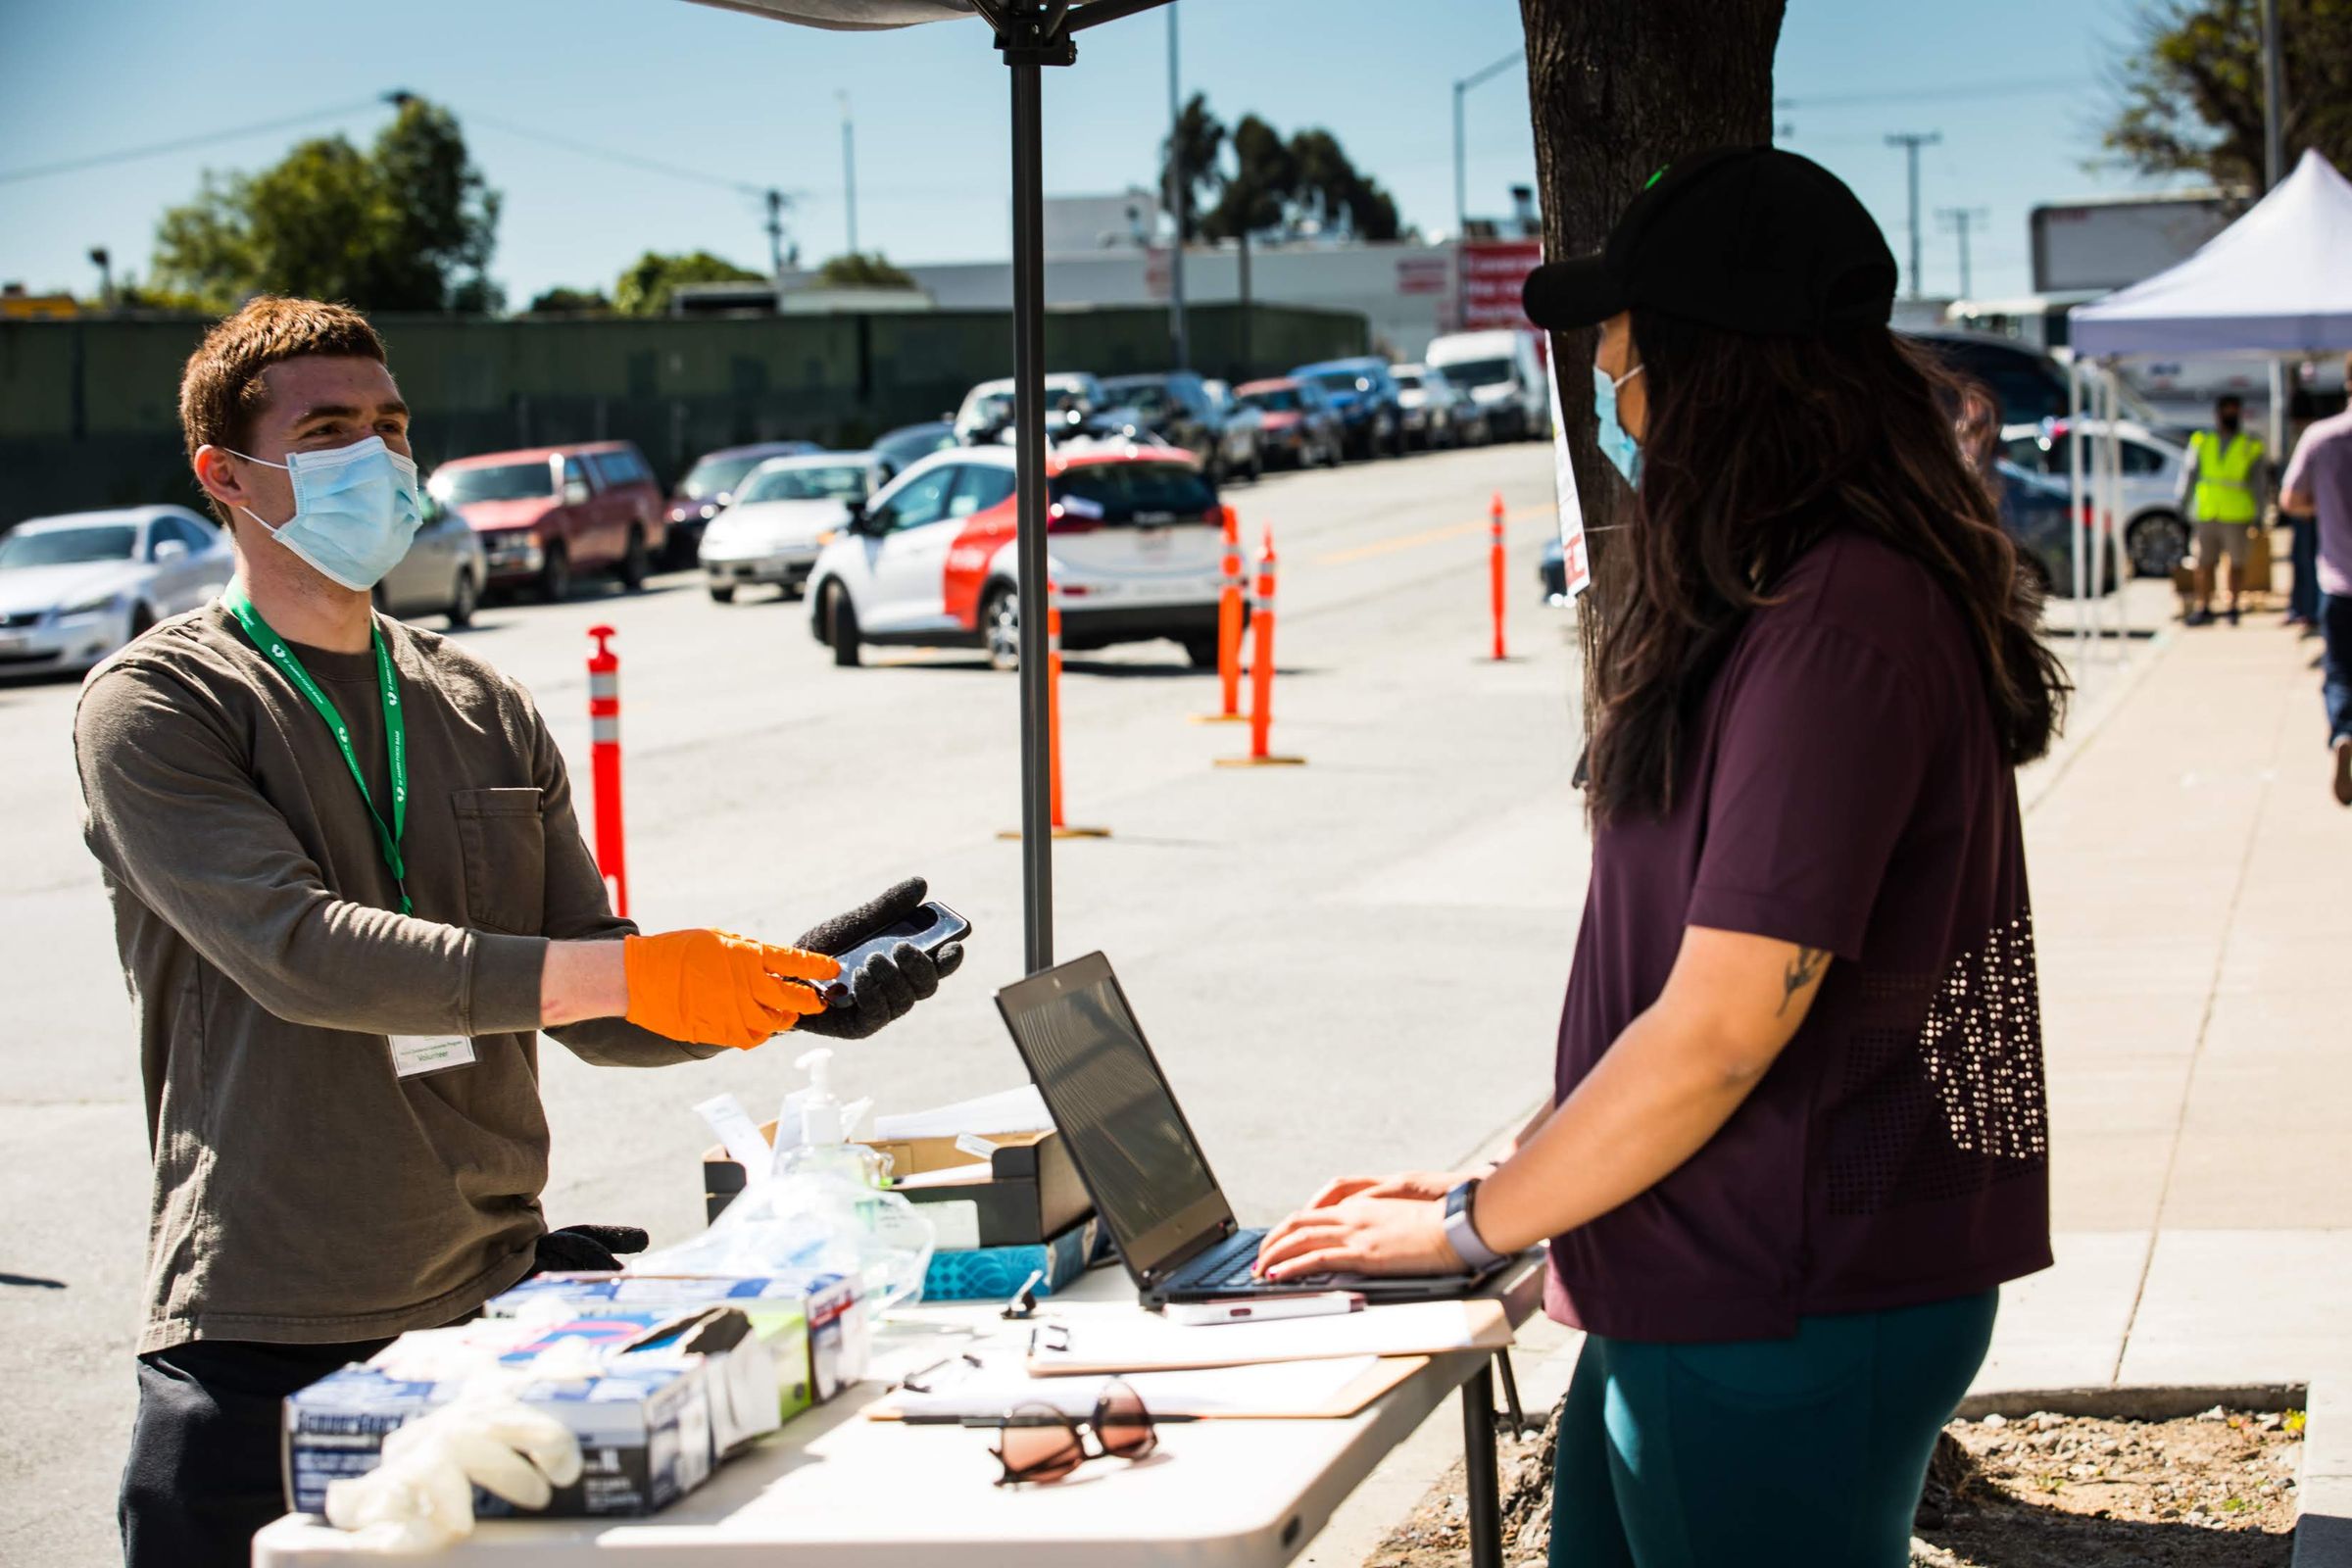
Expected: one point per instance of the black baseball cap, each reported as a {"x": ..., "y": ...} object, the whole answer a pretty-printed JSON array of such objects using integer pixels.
[{"x": 1747, "y": 239}]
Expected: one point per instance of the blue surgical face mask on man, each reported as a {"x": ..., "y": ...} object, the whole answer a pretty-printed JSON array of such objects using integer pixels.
[
  {"x": 1617, "y": 442},
  {"x": 354, "y": 510}
]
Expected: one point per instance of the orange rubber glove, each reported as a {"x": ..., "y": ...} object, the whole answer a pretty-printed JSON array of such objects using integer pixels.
[{"x": 714, "y": 988}]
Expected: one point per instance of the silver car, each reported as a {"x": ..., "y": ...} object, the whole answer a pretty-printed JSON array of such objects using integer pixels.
[
  {"x": 784, "y": 511},
  {"x": 443, "y": 573},
  {"x": 75, "y": 588}
]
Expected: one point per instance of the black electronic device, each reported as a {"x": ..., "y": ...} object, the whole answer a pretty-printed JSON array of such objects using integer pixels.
[
  {"x": 931, "y": 928},
  {"x": 1136, "y": 1154}
]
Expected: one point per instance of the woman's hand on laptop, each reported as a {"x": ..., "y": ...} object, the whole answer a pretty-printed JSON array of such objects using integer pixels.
[
  {"x": 1361, "y": 1236},
  {"x": 1426, "y": 1184}
]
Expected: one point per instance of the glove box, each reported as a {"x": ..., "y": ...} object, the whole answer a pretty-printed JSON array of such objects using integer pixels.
[{"x": 1030, "y": 1191}]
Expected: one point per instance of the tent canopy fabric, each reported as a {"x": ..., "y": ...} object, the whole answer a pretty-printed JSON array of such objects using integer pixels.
[
  {"x": 2279, "y": 281},
  {"x": 852, "y": 16}
]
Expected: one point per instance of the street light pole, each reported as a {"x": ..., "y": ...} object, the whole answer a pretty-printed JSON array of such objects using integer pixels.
[
  {"x": 848, "y": 169},
  {"x": 1911, "y": 142},
  {"x": 1178, "y": 181},
  {"x": 2274, "y": 169}
]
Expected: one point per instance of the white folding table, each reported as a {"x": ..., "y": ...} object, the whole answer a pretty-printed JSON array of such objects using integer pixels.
[{"x": 835, "y": 1489}]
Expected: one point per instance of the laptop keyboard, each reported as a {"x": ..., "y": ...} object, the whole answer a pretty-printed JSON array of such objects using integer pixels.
[{"x": 1229, "y": 1264}]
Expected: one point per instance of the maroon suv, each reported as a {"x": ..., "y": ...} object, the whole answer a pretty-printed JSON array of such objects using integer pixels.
[{"x": 546, "y": 514}]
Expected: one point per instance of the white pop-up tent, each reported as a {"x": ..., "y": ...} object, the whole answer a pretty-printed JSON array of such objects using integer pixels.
[
  {"x": 1030, "y": 34},
  {"x": 2278, "y": 281}
]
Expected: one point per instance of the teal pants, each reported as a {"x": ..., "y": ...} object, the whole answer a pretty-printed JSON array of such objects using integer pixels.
[{"x": 1803, "y": 1452}]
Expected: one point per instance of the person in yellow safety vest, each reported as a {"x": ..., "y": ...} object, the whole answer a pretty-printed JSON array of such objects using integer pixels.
[{"x": 2222, "y": 488}]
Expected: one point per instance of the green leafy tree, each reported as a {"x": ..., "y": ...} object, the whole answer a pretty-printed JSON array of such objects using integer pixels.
[
  {"x": 1255, "y": 196},
  {"x": 2190, "y": 95},
  {"x": 645, "y": 288},
  {"x": 1275, "y": 183},
  {"x": 1197, "y": 140},
  {"x": 407, "y": 224},
  {"x": 863, "y": 269},
  {"x": 563, "y": 300}
]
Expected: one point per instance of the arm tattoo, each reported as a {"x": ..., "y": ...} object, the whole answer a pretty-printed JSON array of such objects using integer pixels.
[{"x": 1802, "y": 972}]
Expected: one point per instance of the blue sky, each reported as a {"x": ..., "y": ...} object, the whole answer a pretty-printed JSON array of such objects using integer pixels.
[{"x": 755, "y": 102}]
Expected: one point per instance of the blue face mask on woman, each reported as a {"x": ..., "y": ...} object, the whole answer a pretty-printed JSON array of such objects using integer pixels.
[
  {"x": 354, "y": 510},
  {"x": 1617, "y": 442}
]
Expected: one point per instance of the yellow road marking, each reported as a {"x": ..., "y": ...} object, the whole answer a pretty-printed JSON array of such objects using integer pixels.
[{"x": 1413, "y": 540}]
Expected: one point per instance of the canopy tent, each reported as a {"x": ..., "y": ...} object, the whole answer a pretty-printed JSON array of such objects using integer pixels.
[
  {"x": 1030, "y": 34},
  {"x": 2274, "y": 282}
]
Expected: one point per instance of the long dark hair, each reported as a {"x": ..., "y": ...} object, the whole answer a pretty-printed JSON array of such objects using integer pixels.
[{"x": 1754, "y": 448}]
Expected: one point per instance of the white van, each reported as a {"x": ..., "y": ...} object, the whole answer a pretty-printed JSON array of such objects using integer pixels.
[{"x": 1505, "y": 372}]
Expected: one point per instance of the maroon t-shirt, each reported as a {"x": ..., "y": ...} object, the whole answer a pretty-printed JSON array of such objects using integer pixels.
[{"x": 1845, "y": 791}]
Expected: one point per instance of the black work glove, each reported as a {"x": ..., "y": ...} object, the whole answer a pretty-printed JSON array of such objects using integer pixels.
[
  {"x": 586, "y": 1249},
  {"x": 888, "y": 985}
]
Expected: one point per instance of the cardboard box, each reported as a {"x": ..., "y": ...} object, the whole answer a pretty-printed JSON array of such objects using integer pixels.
[
  {"x": 644, "y": 1434},
  {"x": 823, "y": 1310},
  {"x": 994, "y": 1273},
  {"x": 1030, "y": 1193}
]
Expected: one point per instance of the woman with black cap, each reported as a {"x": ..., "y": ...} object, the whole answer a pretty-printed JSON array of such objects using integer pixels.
[{"x": 1798, "y": 1138}]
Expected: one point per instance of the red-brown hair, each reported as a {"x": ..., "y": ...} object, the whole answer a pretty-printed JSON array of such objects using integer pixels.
[{"x": 221, "y": 390}]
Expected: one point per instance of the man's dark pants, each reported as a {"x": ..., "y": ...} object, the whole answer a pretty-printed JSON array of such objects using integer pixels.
[
  {"x": 2335, "y": 680},
  {"x": 203, "y": 1471},
  {"x": 2303, "y": 588}
]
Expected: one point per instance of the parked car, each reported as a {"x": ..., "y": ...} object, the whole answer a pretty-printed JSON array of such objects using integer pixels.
[
  {"x": 710, "y": 487},
  {"x": 1365, "y": 396},
  {"x": 443, "y": 571},
  {"x": 784, "y": 513},
  {"x": 1244, "y": 431},
  {"x": 1302, "y": 427},
  {"x": 1503, "y": 373},
  {"x": 1135, "y": 536},
  {"x": 987, "y": 411},
  {"x": 907, "y": 445},
  {"x": 2038, "y": 511},
  {"x": 548, "y": 514},
  {"x": 76, "y": 587},
  {"x": 1437, "y": 413},
  {"x": 2155, "y": 535},
  {"x": 2029, "y": 384},
  {"x": 1175, "y": 406}
]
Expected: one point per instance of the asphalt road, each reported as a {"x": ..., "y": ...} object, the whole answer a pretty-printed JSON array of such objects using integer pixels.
[{"x": 1352, "y": 964}]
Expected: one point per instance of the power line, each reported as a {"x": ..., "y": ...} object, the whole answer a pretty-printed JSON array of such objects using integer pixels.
[
  {"x": 124, "y": 155},
  {"x": 2014, "y": 88},
  {"x": 615, "y": 156}
]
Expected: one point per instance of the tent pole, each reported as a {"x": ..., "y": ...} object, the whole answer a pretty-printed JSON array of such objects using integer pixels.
[
  {"x": 2074, "y": 436},
  {"x": 1029, "y": 471}
]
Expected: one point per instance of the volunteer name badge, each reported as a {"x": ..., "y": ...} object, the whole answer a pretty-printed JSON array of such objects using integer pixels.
[{"x": 414, "y": 1056}]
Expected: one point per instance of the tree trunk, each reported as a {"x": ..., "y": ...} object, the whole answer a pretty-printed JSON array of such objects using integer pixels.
[{"x": 1618, "y": 88}]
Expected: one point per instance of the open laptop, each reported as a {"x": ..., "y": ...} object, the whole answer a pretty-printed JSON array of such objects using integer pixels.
[{"x": 1136, "y": 1154}]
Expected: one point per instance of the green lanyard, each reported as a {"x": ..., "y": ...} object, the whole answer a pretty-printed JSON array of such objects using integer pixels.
[{"x": 396, "y": 747}]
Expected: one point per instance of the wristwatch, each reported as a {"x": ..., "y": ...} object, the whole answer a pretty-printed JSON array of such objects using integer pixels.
[{"x": 1461, "y": 1233}]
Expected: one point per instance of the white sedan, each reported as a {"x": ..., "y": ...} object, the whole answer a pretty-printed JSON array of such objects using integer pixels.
[
  {"x": 784, "y": 511},
  {"x": 75, "y": 588}
]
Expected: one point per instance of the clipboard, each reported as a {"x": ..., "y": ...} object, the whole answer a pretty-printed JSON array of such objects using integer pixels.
[
  {"x": 1143, "y": 1342},
  {"x": 1166, "y": 1393}
]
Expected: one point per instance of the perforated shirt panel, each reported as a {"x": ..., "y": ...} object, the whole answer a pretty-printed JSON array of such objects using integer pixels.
[{"x": 1846, "y": 791}]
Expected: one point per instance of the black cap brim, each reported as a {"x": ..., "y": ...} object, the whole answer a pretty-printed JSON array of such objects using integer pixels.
[{"x": 1565, "y": 296}]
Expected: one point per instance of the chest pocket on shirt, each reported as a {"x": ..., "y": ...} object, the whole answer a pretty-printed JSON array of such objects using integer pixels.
[{"x": 505, "y": 849}]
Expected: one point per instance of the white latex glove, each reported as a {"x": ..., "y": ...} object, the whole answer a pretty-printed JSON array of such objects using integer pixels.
[{"x": 420, "y": 1497}]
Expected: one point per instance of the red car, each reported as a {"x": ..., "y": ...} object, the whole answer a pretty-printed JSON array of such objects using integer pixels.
[
  {"x": 547, "y": 513},
  {"x": 1302, "y": 426}
]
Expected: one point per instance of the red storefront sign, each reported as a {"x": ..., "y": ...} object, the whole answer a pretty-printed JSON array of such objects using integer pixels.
[{"x": 1493, "y": 272}]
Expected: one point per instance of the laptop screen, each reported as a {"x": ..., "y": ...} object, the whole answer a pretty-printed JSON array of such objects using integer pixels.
[{"x": 1130, "y": 1142}]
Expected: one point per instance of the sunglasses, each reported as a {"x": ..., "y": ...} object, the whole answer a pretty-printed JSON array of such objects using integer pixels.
[{"x": 1041, "y": 1444}]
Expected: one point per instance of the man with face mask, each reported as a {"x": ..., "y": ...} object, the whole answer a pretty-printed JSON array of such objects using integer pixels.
[
  {"x": 2222, "y": 491},
  {"x": 348, "y": 890}
]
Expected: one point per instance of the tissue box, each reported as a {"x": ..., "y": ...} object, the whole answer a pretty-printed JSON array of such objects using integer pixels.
[
  {"x": 644, "y": 1434},
  {"x": 994, "y": 1273},
  {"x": 823, "y": 1310}
]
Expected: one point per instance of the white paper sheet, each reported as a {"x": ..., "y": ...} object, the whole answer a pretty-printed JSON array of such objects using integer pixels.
[
  {"x": 1143, "y": 1342},
  {"x": 1281, "y": 1388},
  {"x": 1013, "y": 1110}
]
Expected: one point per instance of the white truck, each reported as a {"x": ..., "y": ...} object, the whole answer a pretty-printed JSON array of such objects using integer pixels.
[{"x": 1503, "y": 370}]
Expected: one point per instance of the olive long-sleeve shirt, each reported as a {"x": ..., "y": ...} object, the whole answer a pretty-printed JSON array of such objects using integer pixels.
[{"x": 302, "y": 1190}]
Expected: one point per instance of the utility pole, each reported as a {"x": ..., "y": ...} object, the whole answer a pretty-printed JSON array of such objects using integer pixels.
[
  {"x": 1911, "y": 142},
  {"x": 1462, "y": 176},
  {"x": 1179, "y": 181},
  {"x": 1959, "y": 219},
  {"x": 848, "y": 169},
  {"x": 2274, "y": 170}
]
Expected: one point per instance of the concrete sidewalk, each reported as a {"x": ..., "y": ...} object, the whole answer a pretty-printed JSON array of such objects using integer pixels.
[{"x": 2192, "y": 891}]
